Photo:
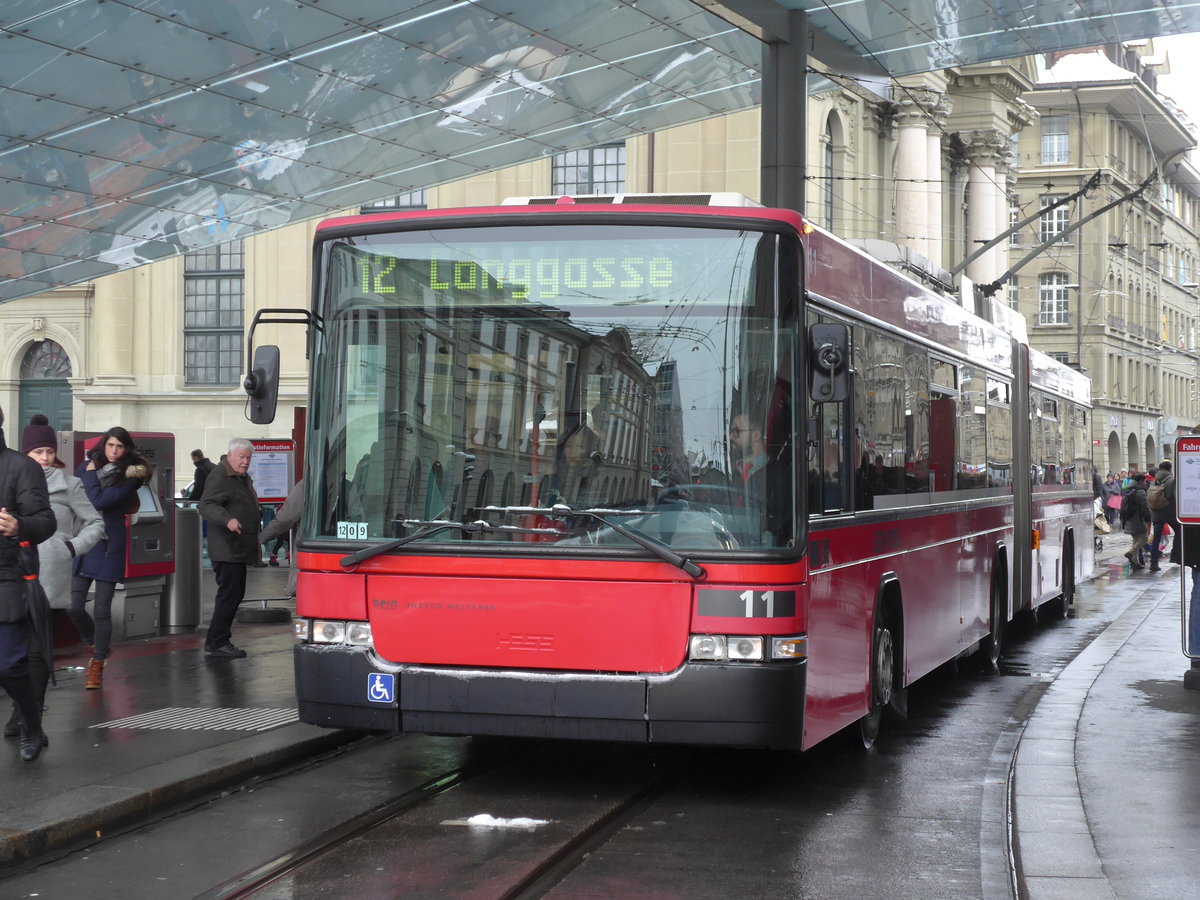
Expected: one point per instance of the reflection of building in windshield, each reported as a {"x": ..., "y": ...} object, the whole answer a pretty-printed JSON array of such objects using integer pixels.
[
  {"x": 668, "y": 455},
  {"x": 555, "y": 413},
  {"x": 519, "y": 409}
]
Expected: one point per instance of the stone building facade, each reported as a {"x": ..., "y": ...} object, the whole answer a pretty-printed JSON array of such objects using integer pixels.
[{"x": 926, "y": 175}]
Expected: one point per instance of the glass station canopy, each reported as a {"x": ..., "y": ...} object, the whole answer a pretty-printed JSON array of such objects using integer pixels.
[{"x": 132, "y": 130}]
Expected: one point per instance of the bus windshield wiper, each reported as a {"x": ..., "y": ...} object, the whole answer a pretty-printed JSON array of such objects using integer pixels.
[
  {"x": 367, "y": 552},
  {"x": 432, "y": 527},
  {"x": 658, "y": 548},
  {"x": 558, "y": 511}
]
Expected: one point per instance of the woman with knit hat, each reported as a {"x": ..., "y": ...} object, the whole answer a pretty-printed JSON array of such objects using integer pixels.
[
  {"x": 111, "y": 477},
  {"x": 79, "y": 528}
]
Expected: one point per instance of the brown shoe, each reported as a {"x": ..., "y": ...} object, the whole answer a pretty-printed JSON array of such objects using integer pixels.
[{"x": 95, "y": 674}]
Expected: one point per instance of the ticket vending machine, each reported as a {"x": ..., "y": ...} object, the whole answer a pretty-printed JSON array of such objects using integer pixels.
[{"x": 150, "y": 544}]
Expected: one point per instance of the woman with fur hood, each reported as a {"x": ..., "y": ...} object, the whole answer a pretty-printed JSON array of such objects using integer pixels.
[
  {"x": 111, "y": 477},
  {"x": 79, "y": 529}
]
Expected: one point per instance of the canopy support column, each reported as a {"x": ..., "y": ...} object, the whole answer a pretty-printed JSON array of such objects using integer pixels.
[{"x": 784, "y": 115}]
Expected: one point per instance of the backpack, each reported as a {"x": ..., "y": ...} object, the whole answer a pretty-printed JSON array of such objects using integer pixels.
[
  {"x": 1129, "y": 507},
  {"x": 1157, "y": 496}
]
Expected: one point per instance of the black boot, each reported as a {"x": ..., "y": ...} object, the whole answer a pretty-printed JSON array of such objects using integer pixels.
[{"x": 33, "y": 739}]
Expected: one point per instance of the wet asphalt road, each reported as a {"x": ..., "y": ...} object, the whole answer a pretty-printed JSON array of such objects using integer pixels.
[{"x": 920, "y": 816}]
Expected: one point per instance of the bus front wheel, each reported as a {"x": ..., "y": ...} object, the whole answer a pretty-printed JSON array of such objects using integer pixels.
[{"x": 883, "y": 669}]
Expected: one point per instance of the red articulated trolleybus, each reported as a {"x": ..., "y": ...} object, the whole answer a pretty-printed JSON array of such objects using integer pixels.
[{"x": 629, "y": 469}]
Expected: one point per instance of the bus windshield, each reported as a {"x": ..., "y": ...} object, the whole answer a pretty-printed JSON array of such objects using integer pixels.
[{"x": 477, "y": 384}]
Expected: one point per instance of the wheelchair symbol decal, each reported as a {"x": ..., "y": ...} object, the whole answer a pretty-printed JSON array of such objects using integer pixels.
[{"x": 381, "y": 688}]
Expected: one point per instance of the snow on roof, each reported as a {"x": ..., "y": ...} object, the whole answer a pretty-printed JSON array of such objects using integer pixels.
[{"x": 1090, "y": 66}]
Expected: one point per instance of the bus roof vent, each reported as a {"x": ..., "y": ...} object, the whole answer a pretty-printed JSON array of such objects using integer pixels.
[{"x": 718, "y": 198}]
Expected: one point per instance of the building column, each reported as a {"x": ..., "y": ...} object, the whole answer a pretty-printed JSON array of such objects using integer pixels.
[
  {"x": 912, "y": 172},
  {"x": 934, "y": 179},
  {"x": 985, "y": 149}
]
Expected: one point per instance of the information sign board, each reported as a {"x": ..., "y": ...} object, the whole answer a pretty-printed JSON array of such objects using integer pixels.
[{"x": 273, "y": 468}]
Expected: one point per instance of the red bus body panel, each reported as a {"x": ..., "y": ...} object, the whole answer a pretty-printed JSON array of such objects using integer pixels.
[
  {"x": 943, "y": 564},
  {"x": 329, "y": 595},
  {"x": 546, "y": 624}
]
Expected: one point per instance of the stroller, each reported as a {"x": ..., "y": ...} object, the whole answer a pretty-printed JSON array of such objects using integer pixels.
[{"x": 1101, "y": 524}]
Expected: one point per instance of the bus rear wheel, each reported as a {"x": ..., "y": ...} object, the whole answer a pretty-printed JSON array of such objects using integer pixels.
[
  {"x": 883, "y": 668},
  {"x": 992, "y": 646},
  {"x": 1060, "y": 606}
]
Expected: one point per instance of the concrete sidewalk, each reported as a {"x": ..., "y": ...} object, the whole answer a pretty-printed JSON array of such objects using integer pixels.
[
  {"x": 1106, "y": 777},
  {"x": 189, "y": 727}
]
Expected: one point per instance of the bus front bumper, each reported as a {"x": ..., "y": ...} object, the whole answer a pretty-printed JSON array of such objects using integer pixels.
[{"x": 729, "y": 704}]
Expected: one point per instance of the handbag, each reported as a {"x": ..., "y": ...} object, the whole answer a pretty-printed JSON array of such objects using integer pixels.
[
  {"x": 1113, "y": 501},
  {"x": 1102, "y": 526}
]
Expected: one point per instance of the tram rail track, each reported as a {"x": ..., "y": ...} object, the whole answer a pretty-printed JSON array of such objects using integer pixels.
[
  {"x": 551, "y": 850},
  {"x": 250, "y": 882}
]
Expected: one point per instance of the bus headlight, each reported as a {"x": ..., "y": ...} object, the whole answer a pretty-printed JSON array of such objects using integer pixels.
[
  {"x": 734, "y": 647},
  {"x": 300, "y": 629},
  {"x": 328, "y": 632},
  {"x": 707, "y": 646},
  {"x": 359, "y": 634},
  {"x": 747, "y": 648}
]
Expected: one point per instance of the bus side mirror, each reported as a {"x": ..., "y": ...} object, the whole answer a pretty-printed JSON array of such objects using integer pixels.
[
  {"x": 828, "y": 362},
  {"x": 262, "y": 384}
]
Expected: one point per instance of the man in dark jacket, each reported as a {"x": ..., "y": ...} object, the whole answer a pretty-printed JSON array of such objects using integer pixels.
[
  {"x": 26, "y": 518},
  {"x": 230, "y": 506},
  {"x": 203, "y": 465},
  {"x": 1165, "y": 515},
  {"x": 1135, "y": 520}
]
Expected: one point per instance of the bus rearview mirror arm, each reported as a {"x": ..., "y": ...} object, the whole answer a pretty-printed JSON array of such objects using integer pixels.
[
  {"x": 828, "y": 362},
  {"x": 262, "y": 380}
]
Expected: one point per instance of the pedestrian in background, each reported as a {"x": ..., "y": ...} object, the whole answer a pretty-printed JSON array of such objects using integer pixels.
[
  {"x": 203, "y": 465},
  {"x": 25, "y": 518},
  {"x": 1112, "y": 498},
  {"x": 1135, "y": 519},
  {"x": 281, "y": 527},
  {"x": 79, "y": 530},
  {"x": 278, "y": 539},
  {"x": 266, "y": 513},
  {"x": 1164, "y": 513},
  {"x": 230, "y": 506},
  {"x": 111, "y": 476}
]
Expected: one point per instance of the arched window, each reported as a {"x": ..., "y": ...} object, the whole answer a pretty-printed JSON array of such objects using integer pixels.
[
  {"x": 45, "y": 359},
  {"x": 412, "y": 491},
  {"x": 435, "y": 492},
  {"x": 833, "y": 144}
]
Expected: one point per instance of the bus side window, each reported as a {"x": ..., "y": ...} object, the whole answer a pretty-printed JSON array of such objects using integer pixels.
[
  {"x": 972, "y": 431},
  {"x": 833, "y": 442},
  {"x": 942, "y": 424}
]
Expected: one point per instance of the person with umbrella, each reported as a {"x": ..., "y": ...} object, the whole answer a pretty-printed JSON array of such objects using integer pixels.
[{"x": 80, "y": 528}]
